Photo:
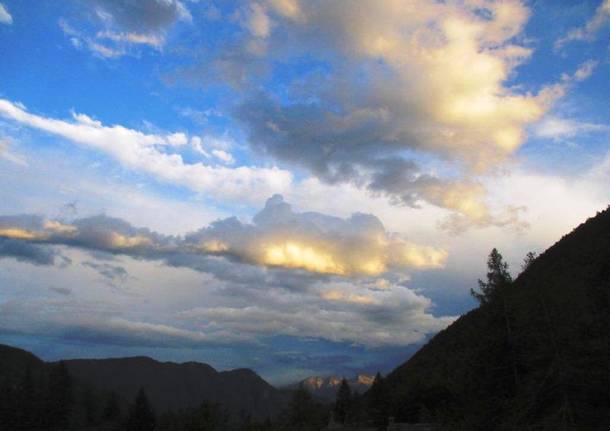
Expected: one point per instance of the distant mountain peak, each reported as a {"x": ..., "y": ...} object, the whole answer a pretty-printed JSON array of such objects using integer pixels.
[
  {"x": 365, "y": 379},
  {"x": 326, "y": 387}
]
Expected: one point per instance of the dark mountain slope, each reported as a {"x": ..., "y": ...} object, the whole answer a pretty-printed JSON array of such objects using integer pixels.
[
  {"x": 168, "y": 385},
  {"x": 17, "y": 361},
  {"x": 536, "y": 358},
  {"x": 174, "y": 386}
]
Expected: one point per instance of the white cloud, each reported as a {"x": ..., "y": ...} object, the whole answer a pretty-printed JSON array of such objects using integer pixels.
[
  {"x": 155, "y": 41},
  {"x": 5, "y": 16},
  {"x": 558, "y": 128},
  {"x": 585, "y": 70},
  {"x": 7, "y": 154},
  {"x": 589, "y": 31},
  {"x": 144, "y": 152},
  {"x": 224, "y": 156}
]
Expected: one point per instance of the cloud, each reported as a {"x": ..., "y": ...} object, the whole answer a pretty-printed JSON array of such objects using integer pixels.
[
  {"x": 134, "y": 38},
  {"x": 353, "y": 312},
  {"x": 126, "y": 24},
  {"x": 84, "y": 322},
  {"x": 559, "y": 128},
  {"x": 112, "y": 273},
  {"x": 5, "y": 16},
  {"x": 143, "y": 16},
  {"x": 585, "y": 70},
  {"x": 281, "y": 237},
  {"x": 258, "y": 21},
  {"x": 399, "y": 89},
  {"x": 64, "y": 291},
  {"x": 589, "y": 31},
  {"x": 278, "y": 237},
  {"x": 147, "y": 153},
  {"x": 26, "y": 252},
  {"x": 6, "y": 154}
]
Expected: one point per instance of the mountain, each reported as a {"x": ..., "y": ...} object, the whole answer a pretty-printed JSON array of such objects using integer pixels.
[
  {"x": 172, "y": 386},
  {"x": 168, "y": 385},
  {"x": 325, "y": 388},
  {"x": 16, "y": 361},
  {"x": 536, "y": 358}
]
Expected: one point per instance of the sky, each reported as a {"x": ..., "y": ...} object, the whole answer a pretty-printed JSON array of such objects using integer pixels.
[{"x": 297, "y": 187}]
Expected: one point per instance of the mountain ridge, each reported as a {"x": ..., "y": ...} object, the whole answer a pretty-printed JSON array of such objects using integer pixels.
[
  {"x": 536, "y": 358},
  {"x": 169, "y": 385}
]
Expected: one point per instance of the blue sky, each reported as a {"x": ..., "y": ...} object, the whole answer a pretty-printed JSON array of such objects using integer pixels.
[{"x": 297, "y": 187}]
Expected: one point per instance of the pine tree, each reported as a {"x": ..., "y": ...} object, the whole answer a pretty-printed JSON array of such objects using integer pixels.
[
  {"x": 343, "y": 402},
  {"x": 112, "y": 410},
  {"x": 59, "y": 397},
  {"x": 141, "y": 414},
  {"x": 530, "y": 257},
  {"x": 301, "y": 410},
  {"x": 378, "y": 401},
  {"x": 89, "y": 407},
  {"x": 498, "y": 277}
]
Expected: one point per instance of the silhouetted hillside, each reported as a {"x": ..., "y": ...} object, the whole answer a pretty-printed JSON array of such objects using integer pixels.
[
  {"x": 174, "y": 386},
  {"x": 17, "y": 361},
  {"x": 537, "y": 357},
  {"x": 169, "y": 386}
]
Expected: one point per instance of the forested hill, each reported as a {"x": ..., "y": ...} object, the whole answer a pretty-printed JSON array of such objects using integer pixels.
[
  {"x": 536, "y": 357},
  {"x": 173, "y": 386},
  {"x": 71, "y": 394}
]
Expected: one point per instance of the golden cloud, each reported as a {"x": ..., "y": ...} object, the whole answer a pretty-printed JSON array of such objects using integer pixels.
[
  {"x": 294, "y": 255},
  {"x": 17, "y": 233},
  {"x": 278, "y": 237},
  {"x": 354, "y": 298}
]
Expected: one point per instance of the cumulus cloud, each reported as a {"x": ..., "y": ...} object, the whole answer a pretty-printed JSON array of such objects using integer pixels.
[
  {"x": 147, "y": 153},
  {"x": 406, "y": 82},
  {"x": 277, "y": 237},
  {"x": 5, "y": 16},
  {"x": 589, "y": 31}
]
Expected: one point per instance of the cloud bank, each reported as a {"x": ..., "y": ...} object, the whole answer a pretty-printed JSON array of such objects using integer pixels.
[
  {"x": 287, "y": 273},
  {"x": 278, "y": 237}
]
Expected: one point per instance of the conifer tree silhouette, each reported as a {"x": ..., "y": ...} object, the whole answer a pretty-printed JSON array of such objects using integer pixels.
[{"x": 141, "y": 414}]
